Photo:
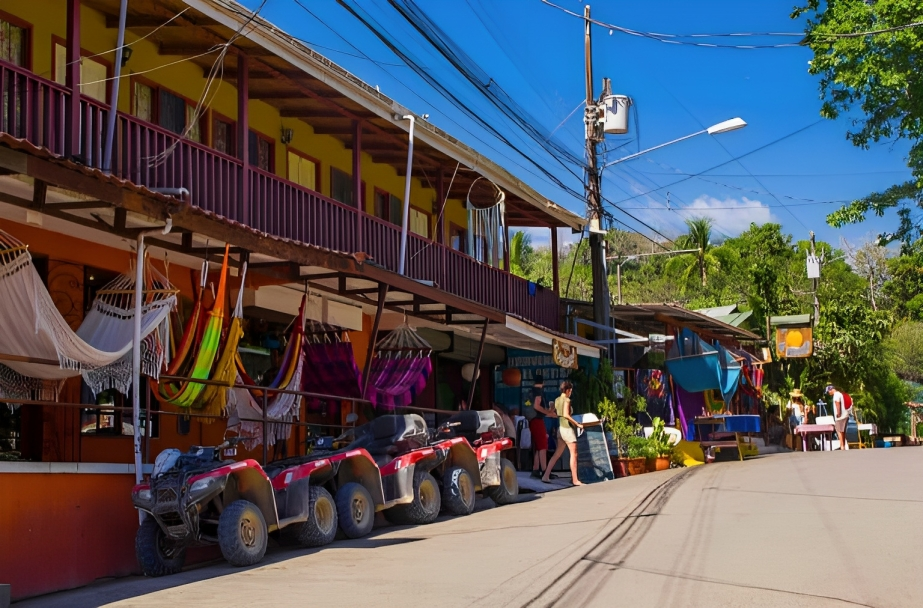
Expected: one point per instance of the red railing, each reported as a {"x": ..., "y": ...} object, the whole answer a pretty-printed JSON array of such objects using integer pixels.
[{"x": 35, "y": 109}]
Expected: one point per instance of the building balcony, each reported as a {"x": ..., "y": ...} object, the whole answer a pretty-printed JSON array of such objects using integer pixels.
[{"x": 38, "y": 110}]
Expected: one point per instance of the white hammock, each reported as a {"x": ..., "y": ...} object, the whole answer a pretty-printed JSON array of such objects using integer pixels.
[
  {"x": 282, "y": 410},
  {"x": 486, "y": 227},
  {"x": 31, "y": 326}
]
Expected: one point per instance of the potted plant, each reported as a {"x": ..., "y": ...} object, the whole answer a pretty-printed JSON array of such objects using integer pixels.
[
  {"x": 621, "y": 428},
  {"x": 637, "y": 451},
  {"x": 659, "y": 450}
]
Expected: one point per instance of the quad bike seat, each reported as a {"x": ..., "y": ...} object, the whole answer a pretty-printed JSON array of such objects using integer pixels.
[
  {"x": 396, "y": 434},
  {"x": 473, "y": 424}
]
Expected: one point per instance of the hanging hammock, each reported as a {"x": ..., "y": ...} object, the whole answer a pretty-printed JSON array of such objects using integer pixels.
[
  {"x": 214, "y": 398},
  {"x": 31, "y": 326},
  {"x": 330, "y": 367},
  {"x": 110, "y": 322},
  {"x": 697, "y": 366},
  {"x": 186, "y": 393},
  {"x": 282, "y": 408},
  {"x": 400, "y": 368},
  {"x": 486, "y": 227}
]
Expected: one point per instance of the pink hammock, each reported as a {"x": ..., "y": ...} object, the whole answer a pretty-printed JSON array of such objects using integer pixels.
[
  {"x": 330, "y": 369},
  {"x": 400, "y": 368}
]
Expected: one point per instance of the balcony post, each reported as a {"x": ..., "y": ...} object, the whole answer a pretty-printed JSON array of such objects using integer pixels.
[
  {"x": 506, "y": 246},
  {"x": 555, "y": 278},
  {"x": 439, "y": 237},
  {"x": 243, "y": 136},
  {"x": 72, "y": 81},
  {"x": 357, "y": 182}
]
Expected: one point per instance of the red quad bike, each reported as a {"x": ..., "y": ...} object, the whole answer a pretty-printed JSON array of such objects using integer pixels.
[
  {"x": 386, "y": 468},
  {"x": 196, "y": 498},
  {"x": 470, "y": 444}
]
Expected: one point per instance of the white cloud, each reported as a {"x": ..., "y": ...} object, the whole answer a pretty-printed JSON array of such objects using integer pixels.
[
  {"x": 541, "y": 237},
  {"x": 730, "y": 215}
]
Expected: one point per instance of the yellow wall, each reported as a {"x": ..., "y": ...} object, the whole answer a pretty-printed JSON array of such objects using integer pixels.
[{"x": 48, "y": 18}]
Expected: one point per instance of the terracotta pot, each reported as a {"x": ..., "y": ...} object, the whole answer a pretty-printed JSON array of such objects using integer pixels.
[
  {"x": 636, "y": 466},
  {"x": 620, "y": 467},
  {"x": 661, "y": 463},
  {"x": 512, "y": 377}
]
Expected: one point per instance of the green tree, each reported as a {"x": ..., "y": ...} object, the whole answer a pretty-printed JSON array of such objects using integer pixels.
[
  {"x": 520, "y": 253},
  {"x": 906, "y": 347},
  {"x": 875, "y": 78},
  {"x": 698, "y": 237}
]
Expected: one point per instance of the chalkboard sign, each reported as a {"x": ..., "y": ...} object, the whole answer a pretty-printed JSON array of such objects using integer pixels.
[{"x": 593, "y": 462}]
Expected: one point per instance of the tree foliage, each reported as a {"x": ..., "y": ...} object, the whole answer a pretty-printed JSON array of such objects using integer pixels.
[{"x": 869, "y": 69}]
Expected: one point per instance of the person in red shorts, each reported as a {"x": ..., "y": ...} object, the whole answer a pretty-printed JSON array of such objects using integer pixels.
[{"x": 537, "y": 427}]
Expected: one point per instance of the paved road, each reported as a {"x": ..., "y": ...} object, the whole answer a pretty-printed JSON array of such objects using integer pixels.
[{"x": 816, "y": 529}]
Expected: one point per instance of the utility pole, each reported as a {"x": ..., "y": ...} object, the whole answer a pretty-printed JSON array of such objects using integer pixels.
[
  {"x": 815, "y": 281},
  {"x": 601, "y": 303}
]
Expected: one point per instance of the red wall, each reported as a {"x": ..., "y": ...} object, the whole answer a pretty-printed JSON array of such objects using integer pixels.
[{"x": 60, "y": 531}]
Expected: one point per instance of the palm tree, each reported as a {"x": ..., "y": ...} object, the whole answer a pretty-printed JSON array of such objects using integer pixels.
[
  {"x": 699, "y": 237},
  {"x": 520, "y": 248}
]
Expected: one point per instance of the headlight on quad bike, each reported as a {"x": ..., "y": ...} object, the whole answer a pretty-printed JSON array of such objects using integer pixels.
[
  {"x": 141, "y": 494},
  {"x": 206, "y": 485}
]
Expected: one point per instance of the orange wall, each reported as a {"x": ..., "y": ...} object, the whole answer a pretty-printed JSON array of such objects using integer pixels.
[{"x": 60, "y": 531}]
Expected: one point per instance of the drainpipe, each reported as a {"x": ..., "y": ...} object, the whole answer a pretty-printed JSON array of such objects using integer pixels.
[
  {"x": 114, "y": 99},
  {"x": 136, "y": 350},
  {"x": 402, "y": 260}
]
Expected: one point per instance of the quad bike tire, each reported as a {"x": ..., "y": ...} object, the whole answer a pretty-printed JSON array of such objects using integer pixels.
[
  {"x": 321, "y": 525},
  {"x": 508, "y": 490},
  {"x": 355, "y": 510},
  {"x": 426, "y": 504},
  {"x": 458, "y": 491},
  {"x": 242, "y": 534},
  {"x": 156, "y": 554}
]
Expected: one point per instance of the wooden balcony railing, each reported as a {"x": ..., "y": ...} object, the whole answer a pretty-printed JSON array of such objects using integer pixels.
[{"x": 35, "y": 109}]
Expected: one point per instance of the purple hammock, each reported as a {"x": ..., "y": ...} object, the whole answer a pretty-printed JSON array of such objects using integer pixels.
[{"x": 397, "y": 380}]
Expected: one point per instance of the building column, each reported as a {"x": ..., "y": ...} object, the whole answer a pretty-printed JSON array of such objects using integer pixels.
[
  {"x": 555, "y": 277},
  {"x": 243, "y": 136},
  {"x": 72, "y": 81},
  {"x": 439, "y": 237},
  {"x": 357, "y": 182}
]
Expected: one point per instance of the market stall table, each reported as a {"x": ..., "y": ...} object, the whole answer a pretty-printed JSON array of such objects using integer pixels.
[
  {"x": 737, "y": 425},
  {"x": 806, "y": 430}
]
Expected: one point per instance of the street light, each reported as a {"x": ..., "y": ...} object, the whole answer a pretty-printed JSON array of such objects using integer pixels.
[
  {"x": 722, "y": 127},
  {"x": 618, "y": 268}
]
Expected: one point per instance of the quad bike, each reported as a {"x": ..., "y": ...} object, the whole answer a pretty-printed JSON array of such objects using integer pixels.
[
  {"x": 470, "y": 445},
  {"x": 198, "y": 498},
  {"x": 387, "y": 467}
]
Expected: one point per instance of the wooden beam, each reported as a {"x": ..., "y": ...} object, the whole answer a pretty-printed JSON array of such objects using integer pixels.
[
  {"x": 154, "y": 21},
  {"x": 343, "y": 129},
  {"x": 304, "y": 112},
  {"x": 189, "y": 50},
  {"x": 78, "y": 205},
  {"x": 39, "y": 193}
]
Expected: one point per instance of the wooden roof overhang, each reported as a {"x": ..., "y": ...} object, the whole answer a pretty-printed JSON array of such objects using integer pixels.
[{"x": 304, "y": 85}]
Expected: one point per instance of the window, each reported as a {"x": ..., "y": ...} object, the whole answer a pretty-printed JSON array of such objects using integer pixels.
[
  {"x": 303, "y": 170},
  {"x": 223, "y": 135},
  {"x": 103, "y": 422},
  {"x": 418, "y": 222},
  {"x": 164, "y": 108},
  {"x": 93, "y": 73},
  {"x": 261, "y": 151},
  {"x": 458, "y": 238},
  {"x": 388, "y": 207},
  {"x": 341, "y": 186},
  {"x": 14, "y": 44}
]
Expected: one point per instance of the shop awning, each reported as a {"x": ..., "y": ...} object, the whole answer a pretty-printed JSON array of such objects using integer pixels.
[{"x": 522, "y": 334}]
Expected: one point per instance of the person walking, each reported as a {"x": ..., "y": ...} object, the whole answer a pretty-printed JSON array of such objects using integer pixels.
[
  {"x": 840, "y": 414},
  {"x": 567, "y": 435},
  {"x": 537, "y": 427}
]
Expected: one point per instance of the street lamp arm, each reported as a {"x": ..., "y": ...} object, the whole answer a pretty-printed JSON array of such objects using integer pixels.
[
  {"x": 647, "y": 255},
  {"x": 664, "y": 145}
]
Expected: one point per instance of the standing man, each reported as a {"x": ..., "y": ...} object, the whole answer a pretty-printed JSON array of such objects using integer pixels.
[
  {"x": 840, "y": 414},
  {"x": 537, "y": 427}
]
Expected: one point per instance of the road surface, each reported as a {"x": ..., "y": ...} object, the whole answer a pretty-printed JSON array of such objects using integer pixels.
[{"x": 793, "y": 529}]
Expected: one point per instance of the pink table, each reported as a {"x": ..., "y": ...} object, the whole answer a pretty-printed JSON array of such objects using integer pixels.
[{"x": 813, "y": 429}]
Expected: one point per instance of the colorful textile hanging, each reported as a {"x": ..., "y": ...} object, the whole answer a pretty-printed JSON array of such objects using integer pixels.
[
  {"x": 330, "y": 369},
  {"x": 185, "y": 393},
  {"x": 400, "y": 368},
  {"x": 652, "y": 385},
  {"x": 214, "y": 398},
  {"x": 697, "y": 366}
]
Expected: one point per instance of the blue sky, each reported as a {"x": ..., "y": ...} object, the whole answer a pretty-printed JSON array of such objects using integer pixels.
[{"x": 535, "y": 53}]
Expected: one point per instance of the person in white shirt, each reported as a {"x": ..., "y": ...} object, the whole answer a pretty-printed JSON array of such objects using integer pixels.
[
  {"x": 796, "y": 405},
  {"x": 840, "y": 414}
]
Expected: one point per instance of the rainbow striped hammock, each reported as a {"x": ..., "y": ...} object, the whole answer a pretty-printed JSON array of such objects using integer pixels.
[
  {"x": 32, "y": 327},
  {"x": 198, "y": 358}
]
